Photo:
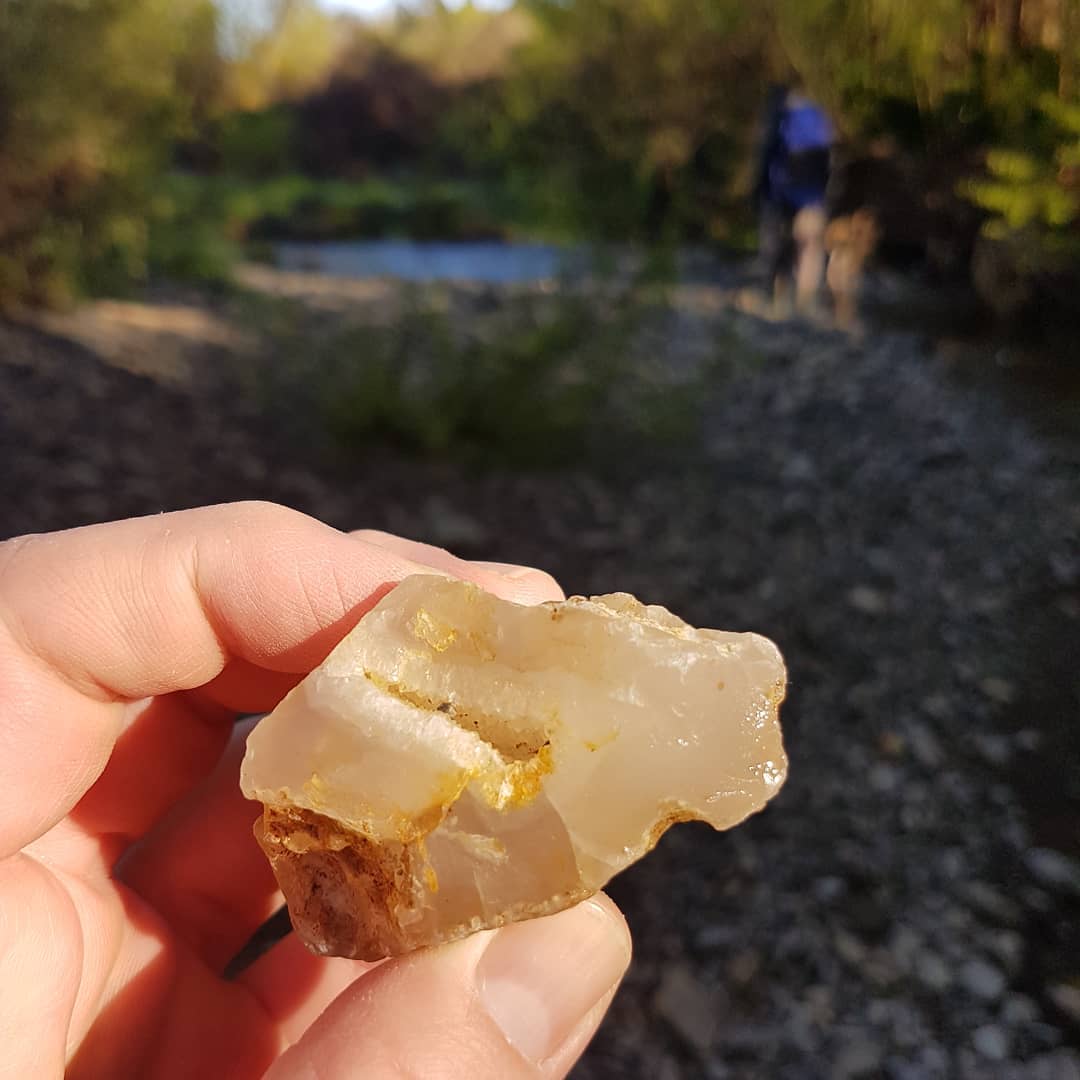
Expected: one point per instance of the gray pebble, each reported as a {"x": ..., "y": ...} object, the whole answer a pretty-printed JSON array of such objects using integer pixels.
[
  {"x": 1019, "y": 1009},
  {"x": 1066, "y": 997},
  {"x": 991, "y": 1042},
  {"x": 932, "y": 971},
  {"x": 860, "y": 1057},
  {"x": 1059, "y": 1065},
  {"x": 867, "y": 600},
  {"x": 1054, "y": 870},
  {"x": 983, "y": 980}
]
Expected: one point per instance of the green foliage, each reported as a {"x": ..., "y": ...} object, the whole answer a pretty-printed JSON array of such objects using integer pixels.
[
  {"x": 294, "y": 207},
  {"x": 279, "y": 50},
  {"x": 187, "y": 231},
  {"x": 604, "y": 119},
  {"x": 1036, "y": 190},
  {"x": 611, "y": 110},
  {"x": 255, "y": 144},
  {"x": 90, "y": 103},
  {"x": 870, "y": 59},
  {"x": 527, "y": 394},
  {"x": 545, "y": 381},
  {"x": 459, "y": 46},
  {"x": 622, "y": 120}
]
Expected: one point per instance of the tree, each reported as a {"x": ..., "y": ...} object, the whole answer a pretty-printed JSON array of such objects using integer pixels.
[
  {"x": 89, "y": 104},
  {"x": 1009, "y": 24},
  {"x": 617, "y": 104},
  {"x": 279, "y": 50},
  {"x": 1070, "y": 32},
  {"x": 861, "y": 57}
]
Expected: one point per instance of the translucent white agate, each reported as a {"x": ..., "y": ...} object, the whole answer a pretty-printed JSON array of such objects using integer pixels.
[{"x": 459, "y": 762}]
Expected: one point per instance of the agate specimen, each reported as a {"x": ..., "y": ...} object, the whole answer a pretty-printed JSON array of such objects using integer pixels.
[{"x": 459, "y": 762}]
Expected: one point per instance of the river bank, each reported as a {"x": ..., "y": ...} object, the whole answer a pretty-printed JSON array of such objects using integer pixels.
[{"x": 907, "y": 905}]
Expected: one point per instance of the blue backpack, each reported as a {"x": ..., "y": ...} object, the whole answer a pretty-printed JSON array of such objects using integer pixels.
[{"x": 799, "y": 172}]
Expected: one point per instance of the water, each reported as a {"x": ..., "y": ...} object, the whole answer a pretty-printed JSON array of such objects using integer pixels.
[{"x": 491, "y": 263}]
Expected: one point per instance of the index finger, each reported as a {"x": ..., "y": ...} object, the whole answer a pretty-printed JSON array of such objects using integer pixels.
[{"x": 97, "y": 617}]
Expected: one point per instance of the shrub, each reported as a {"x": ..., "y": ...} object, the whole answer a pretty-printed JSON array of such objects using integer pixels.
[
  {"x": 90, "y": 101},
  {"x": 1037, "y": 187},
  {"x": 543, "y": 381}
]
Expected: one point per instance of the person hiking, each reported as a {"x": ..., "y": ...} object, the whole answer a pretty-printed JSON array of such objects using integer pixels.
[{"x": 793, "y": 178}]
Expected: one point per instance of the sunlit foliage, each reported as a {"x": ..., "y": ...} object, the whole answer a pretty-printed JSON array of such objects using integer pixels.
[
  {"x": 575, "y": 118},
  {"x": 92, "y": 97}
]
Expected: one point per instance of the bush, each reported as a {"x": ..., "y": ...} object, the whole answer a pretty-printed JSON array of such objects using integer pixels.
[
  {"x": 299, "y": 208},
  {"x": 90, "y": 102},
  {"x": 1030, "y": 247},
  {"x": 544, "y": 381},
  {"x": 188, "y": 235},
  {"x": 256, "y": 144},
  {"x": 1036, "y": 187}
]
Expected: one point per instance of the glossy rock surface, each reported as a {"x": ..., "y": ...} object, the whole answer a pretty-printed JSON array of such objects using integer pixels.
[{"x": 459, "y": 762}]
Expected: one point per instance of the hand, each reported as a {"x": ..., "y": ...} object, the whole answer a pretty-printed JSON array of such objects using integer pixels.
[{"x": 129, "y": 875}]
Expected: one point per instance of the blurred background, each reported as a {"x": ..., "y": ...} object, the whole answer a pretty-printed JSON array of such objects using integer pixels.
[{"x": 487, "y": 275}]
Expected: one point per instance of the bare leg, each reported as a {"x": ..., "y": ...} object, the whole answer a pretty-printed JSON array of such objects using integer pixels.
[
  {"x": 776, "y": 255},
  {"x": 845, "y": 311},
  {"x": 843, "y": 274},
  {"x": 809, "y": 232}
]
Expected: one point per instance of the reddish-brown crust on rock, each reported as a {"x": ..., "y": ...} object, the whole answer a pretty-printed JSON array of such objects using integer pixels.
[{"x": 345, "y": 892}]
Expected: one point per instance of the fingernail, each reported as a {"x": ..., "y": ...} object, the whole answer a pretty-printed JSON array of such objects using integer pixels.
[
  {"x": 538, "y": 979},
  {"x": 511, "y": 572},
  {"x": 520, "y": 572}
]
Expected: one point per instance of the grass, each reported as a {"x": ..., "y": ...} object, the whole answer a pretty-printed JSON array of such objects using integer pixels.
[{"x": 542, "y": 381}]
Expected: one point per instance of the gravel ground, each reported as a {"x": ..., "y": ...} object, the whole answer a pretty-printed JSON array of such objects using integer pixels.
[{"x": 907, "y": 907}]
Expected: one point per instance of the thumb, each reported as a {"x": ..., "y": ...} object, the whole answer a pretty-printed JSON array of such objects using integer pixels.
[{"x": 510, "y": 1004}]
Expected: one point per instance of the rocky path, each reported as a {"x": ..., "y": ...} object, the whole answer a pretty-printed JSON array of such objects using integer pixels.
[{"x": 908, "y": 905}]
